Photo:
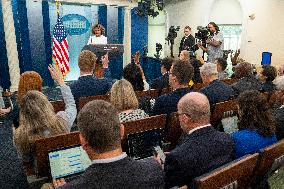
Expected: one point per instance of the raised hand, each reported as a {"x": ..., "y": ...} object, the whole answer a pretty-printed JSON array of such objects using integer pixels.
[
  {"x": 136, "y": 57},
  {"x": 59, "y": 182},
  {"x": 56, "y": 74},
  {"x": 105, "y": 61}
]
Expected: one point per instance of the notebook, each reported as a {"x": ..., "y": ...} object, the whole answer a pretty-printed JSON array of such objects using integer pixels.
[{"x": 68, "y": 162}]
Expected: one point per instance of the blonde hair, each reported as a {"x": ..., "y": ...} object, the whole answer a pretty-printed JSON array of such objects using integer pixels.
[
  {"x": 122, "y": 95},
  {"x": 99, "y": 26},
  {"x": 37, "y": 120},
  {"x": 87, "y": 60},
  {"x": 185, "y": 55},
  {"x": 29, "y": 80}
]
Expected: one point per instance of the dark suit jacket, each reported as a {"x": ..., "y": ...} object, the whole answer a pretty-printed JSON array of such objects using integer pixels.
[
  {"x": 12, "y": 174},
  {"x": 247, "y": 83},
  {"x": 160, "y": 82},
  {"x": 167, "y": 103},
  {"x": 200, "y": 152},
  {"x": 125, "y": 173},
  {"x": 217, "y": 91},
  {"x": 89, "y": 86},
  {"x": 279, "y": 118},
  {"x": 187, "y": 43},
  {"x": 268, "y": 86}
]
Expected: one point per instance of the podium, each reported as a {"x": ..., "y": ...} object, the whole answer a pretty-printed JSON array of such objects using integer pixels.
[
  {"x": 102, "y": 49},
  {"x": 115, "y": 54}
]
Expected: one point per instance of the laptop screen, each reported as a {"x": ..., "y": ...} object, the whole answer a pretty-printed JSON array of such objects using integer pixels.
[
  {"x": 140, "y": 145},
  {"x": 68, "y": 161}
]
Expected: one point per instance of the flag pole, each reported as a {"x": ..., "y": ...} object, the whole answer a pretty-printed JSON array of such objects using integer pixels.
[
  {"x": 60, "y": 51},
  {"x": 58, "y": 8}
]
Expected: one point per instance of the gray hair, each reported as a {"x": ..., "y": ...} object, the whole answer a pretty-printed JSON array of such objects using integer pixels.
[
  {"x": 209, "y": 69},
  {"x": 279, "y": 82}
]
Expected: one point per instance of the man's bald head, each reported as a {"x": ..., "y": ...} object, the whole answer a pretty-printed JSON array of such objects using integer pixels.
[{"x": 196, "y": 106}]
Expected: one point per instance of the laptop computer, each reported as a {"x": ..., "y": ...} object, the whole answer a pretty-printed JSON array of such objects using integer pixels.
[
  {"x": 140, "y": 145},
  {"x": 68, "y": 162}
]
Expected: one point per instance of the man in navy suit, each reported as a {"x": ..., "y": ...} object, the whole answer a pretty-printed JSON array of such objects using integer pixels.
[
  {"x": 100, "y": 136},
  {"x": 181, "y": 73},
  {"x": 188, "y": 41},
  {"x": 163, "y": 81},
  {"x": 202, "y": 149},
  {"x": 216, "y": 91},
  {"x": 87, "y": 84}
]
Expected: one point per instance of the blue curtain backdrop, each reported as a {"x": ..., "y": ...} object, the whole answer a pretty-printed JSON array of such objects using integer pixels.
[{"x": 4, "y": 68}]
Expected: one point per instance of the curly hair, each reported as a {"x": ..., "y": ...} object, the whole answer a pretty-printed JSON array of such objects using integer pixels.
[
  {"x": 29, "y": 80},
  {"x": 99, "y": 26},
  {"x": 132, "y": 73},
  {"x": 243, "y": 69},
  {"x": 122, "y": 96},
  {"x": 255, "y": 113}
]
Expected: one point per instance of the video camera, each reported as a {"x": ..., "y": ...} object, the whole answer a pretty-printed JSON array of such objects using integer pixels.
[
  {"x": 159, "y": 47},
  {"x": 203, "y": 33},
  {"x": 172, "y": 33}
]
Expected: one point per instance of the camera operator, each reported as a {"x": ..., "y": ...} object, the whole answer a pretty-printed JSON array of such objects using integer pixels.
[
  {"x": 214, "y": 43},
  {"x": 171, "y": 38},
  {"x": 188, "y": 41}
]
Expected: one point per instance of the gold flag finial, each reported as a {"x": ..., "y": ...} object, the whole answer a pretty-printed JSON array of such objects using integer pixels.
[{"x": 58, "y": 7}]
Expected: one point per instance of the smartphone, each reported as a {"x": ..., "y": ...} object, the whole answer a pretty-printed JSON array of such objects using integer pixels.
[
  {"x": 266, "y": 58},
  {"x": 159, "y": 151}
]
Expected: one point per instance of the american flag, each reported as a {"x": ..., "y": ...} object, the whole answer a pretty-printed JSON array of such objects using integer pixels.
[{"x": 60, "y": 52}]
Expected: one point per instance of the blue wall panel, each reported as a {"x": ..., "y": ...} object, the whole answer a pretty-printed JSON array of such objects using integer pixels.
[
  {"x": 139, "y": 32},
  {"x": 120, "y": 25},
  {"x": 139, "y": 40},
  {"x": 103, "y": 16},
  {"x": 47, "y": 40},
  {"x": 113, "y": 28},
  {"x": 22, "y": 34},
  {"x": 4, "y": 69},
  {"x": 112, "y": 25},
  {"x": 37, "y": 42},
  {"x": 116, "y": 64}
]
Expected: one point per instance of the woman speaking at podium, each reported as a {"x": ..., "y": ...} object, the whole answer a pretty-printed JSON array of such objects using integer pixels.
[
  {"x": 98, "y": 38},
  {"x": 98, "y": 35}
]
